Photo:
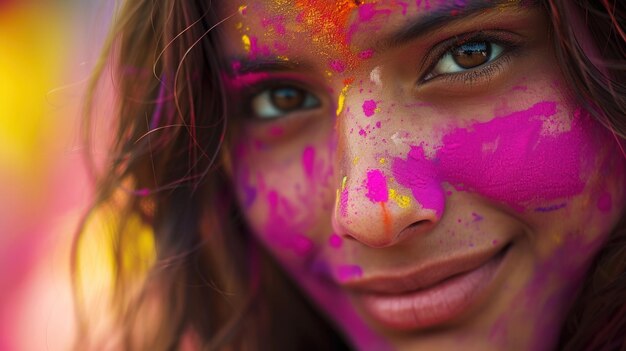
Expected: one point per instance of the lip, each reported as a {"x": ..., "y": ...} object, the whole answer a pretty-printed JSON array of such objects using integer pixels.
[{"x": 433, "y": 294}]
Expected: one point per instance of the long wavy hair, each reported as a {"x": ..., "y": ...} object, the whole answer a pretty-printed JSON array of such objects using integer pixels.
[{"x": 184, "y": 271}]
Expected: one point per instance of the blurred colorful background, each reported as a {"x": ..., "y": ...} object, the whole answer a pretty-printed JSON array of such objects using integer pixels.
[{"x": 47, "y": 51}]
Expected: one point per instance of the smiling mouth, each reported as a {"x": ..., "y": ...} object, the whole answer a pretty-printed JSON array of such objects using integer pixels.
[{"x": 431, "y": 296}]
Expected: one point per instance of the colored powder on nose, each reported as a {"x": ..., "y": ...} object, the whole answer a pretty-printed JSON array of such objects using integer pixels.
[
  {"x": 420, "y": 175},
  {"x": 376, "y": 185},
  {"x": 344, "y": 197},
  {"x": 508, "y": 159},
  {"x": 369, "y": 108}
]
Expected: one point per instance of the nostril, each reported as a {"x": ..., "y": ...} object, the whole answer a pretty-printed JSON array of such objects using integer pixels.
[{"x": 416, "y": 228}]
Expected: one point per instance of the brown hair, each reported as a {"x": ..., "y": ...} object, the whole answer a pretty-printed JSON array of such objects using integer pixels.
[{"x": 210, "y": 282}]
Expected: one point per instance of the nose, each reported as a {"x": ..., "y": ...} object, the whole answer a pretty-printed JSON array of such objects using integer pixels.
[{"x": 387, "y": 192}]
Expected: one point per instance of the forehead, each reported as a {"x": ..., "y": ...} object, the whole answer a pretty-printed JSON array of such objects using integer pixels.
[{"x": 345, "y": 30}]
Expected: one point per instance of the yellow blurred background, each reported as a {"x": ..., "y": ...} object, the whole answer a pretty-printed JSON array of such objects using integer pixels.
[{"x": 47, "y": 50}]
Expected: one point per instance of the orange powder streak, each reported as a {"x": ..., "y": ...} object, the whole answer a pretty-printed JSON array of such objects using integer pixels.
[
  {"x": 329, "y": 24},
  {"x": 386, "y": 220}
]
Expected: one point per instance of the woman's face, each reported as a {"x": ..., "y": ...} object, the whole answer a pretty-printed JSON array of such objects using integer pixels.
[{"x": 419, "y": 167}]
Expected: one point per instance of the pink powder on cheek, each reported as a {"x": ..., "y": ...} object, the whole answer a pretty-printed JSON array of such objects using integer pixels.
[
  {"x": 369, "y": 107},
  {"x": 420, "y": 175},
  {"x": 335, "y": 241},
  {"x": 506, "y": 159},
  {"x": 376, "y": 184},
  {"x": 281, "y": 231},
  {"x": 308, "y": 159}
]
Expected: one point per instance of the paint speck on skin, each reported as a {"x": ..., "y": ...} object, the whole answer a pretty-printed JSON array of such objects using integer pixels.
[
  {"x": 366, "y": 54},
  {"x": 369, "y": 107},
  {"x": 342, "y": 98},
  {"x": 376, "y": 185},
  {"x": 403, "y": 201},
  {"x": 344, "y": 198},
  {"x": 301, "y": 244},
  {"x": 477, "y": 217},
  {"x": 338, "y": 66},
  {"x": 375, "y": 77},
  {"x": 245, "y": 39},
  {"x": 276, "y": 131},
  {"x": 308, "y": 160},
  {"x": 550, "y": 208},
  {"x": 347, "y": 272},
  {"x": 605, "y": 203},
  {"x": 335, "y": 241},
  {"x": 142, "y": 192},
  {"x": 494, "y": 242}
]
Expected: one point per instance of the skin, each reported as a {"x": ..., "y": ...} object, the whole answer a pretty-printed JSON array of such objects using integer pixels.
[{"x": 390, "y": 173}]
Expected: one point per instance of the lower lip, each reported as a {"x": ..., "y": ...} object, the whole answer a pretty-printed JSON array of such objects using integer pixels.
[{"x": 434, "y": 305}]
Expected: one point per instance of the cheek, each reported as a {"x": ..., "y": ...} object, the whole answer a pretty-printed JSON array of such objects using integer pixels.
[
  {"x": 529, "y": 159},
  {"x": 283, "y": 198}
]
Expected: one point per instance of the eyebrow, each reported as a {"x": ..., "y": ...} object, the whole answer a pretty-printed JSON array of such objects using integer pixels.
[
  {"x": 457, "y": 11},
  {"x": 454, "y": 11}
]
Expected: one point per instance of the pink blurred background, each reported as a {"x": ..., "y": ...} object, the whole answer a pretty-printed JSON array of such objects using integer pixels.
[{"x": 47, "y": 51}]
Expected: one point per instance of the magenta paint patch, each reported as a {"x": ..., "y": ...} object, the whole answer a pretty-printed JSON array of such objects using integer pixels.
[
  {"x": 338, "y": 66},
  {"x": 347, "y": 272},
  {"x": 376, "y": 184},
  {"x": 507, "y": 159},
  {"x": 366, "y": 54},
  {"x": 308, "y": 160},
  {"x": 369, "y": 108},
  {"x": 301, "y": 244},
  {"x": 335, "y": 241},
  {"x": 604, "y": 202},
  {"x": 282, "y": 231},
  {"x": 367, "y": 12}
]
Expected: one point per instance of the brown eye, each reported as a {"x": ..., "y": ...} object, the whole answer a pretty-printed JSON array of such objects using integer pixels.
[
  {"x": 280, "y": 101},
  {"x": 465, "y": 57},
  {"x": 288, "y": 98},
  {"x": 470, "y": 55}
]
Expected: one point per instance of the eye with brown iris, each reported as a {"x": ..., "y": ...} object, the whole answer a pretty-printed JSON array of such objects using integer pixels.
[
  {"x": 287, "y": 98},
  {"x": 470, "y": 55}
]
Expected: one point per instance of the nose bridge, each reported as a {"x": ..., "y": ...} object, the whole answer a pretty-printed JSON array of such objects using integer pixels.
[{"x": 375, "y": 201}]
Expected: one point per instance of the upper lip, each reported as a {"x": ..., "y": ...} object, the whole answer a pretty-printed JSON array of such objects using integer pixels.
[{"x": 423, "y": 276}]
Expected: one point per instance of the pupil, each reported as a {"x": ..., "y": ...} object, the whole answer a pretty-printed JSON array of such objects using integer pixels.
[
  {"x": 470, "y": 55},
  {"x": 287, "y": 99}
]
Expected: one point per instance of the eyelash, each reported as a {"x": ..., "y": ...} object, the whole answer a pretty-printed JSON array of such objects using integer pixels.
[{"x": 473, "y": 75}]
